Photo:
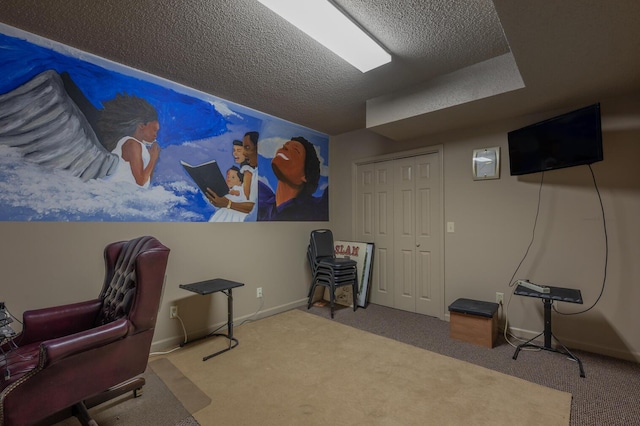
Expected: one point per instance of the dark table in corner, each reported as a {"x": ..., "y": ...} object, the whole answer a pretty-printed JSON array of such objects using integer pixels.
[
  {"x": 213, "y": 286},
  {"x": 560, "y": 294}
]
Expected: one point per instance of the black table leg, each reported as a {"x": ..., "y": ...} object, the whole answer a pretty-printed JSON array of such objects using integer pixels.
[{"x": 233, "y": 342}]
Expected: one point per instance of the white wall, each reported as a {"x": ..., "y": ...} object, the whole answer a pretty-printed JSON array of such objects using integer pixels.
[{"x": 494, "y": 223}]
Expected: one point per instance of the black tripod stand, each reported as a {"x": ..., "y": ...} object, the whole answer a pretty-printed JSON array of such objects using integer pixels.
[{"x": 557, "y": 293}]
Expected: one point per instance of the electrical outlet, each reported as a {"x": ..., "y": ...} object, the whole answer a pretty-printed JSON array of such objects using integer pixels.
[
  {"x": 173, "y": 311},
  {"x": 499, "y": 297},
  {"x": 259, "y": 292}
]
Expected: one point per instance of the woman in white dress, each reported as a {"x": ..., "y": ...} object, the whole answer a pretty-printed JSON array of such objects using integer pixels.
[{"x": 128, "y": 127}]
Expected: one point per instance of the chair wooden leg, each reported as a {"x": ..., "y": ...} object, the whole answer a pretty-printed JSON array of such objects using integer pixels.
[{"x": 134, "y": 385}]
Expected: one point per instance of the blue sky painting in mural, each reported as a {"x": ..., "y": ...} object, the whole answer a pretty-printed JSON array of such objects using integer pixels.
[{"x": 194, "y": 127}]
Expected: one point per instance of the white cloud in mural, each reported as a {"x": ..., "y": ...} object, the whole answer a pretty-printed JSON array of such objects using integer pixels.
[
  {"x": 40, "y": 194},
  {"x": 269, "y": 146},
  {"x": 224, "y": 109}
]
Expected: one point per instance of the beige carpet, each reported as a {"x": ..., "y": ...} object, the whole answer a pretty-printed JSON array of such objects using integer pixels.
[
  {"x": 296, "y": 368},
  {"x": 189, "y": 395},
  {"x": 158, "y": 406}
]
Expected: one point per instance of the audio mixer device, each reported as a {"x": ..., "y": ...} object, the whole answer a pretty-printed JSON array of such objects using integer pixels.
[
  {"x": 535, "y": 287},
  {"x": 5, "y": 319},
  {"x": 6, "y": 332}
]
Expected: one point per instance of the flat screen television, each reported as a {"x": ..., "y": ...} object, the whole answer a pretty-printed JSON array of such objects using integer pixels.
[{"x": 571, "y": 139}]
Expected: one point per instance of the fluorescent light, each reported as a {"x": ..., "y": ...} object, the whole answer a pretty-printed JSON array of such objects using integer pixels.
[
  {"x": 483, "y": 160},
  {"x": 326, "y": 24}
]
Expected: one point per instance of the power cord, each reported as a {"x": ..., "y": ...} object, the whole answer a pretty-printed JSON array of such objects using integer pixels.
[
  {"x": 506, "y": 328},
  {"x": 606, "y": 259},
  {"x": 606, "y": 252},
  {"x": 184, "y": 330},
  {"x": 511, "y": 281},
  {"x": 251, "y": 318}
]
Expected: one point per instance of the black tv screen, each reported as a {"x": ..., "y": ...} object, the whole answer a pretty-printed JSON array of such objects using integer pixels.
[{"x": 571, "y": 139}]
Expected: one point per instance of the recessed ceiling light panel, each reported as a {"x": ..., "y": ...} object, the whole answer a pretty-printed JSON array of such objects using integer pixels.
[{"x": 326, "y": 24}]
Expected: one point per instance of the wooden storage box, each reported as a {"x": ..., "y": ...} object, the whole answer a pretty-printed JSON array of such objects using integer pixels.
[{"x": 474, "y": 321}]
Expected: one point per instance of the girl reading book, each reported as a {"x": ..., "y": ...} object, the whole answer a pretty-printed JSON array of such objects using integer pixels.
[{"x": 236, "y": 194}]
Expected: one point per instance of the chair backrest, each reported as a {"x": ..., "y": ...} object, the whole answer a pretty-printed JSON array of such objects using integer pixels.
[
  {"x": 322, "y": 243},
  {"x": 134, "y": 269}
]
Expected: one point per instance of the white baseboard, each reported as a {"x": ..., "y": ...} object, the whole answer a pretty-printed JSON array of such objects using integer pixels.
[
  {"x": 175, "y": 341},
  {"x": 573, "y": 344}
]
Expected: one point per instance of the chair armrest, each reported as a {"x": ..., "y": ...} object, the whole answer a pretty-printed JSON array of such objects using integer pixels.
[
  {"x": 50, "y": 323},
  {"x": 63, "y": 347}
]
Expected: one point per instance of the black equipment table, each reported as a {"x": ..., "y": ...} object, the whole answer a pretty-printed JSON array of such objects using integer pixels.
[
  {"x": 213, "y": 286},
  {"x": 569, "y": 295}
]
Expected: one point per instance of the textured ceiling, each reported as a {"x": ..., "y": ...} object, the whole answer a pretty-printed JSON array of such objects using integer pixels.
[{"x": 567, "y": 52}]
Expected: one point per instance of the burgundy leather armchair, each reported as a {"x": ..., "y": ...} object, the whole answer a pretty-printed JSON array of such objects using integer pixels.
[{"x": 69, "y": 357}]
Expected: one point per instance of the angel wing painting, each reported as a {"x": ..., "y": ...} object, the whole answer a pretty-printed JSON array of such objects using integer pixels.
[{"x": 49, "y": 129}]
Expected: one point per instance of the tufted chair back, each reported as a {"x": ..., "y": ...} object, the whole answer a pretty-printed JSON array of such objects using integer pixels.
[
  {"x": 77, "y": 354},
  {"x": 120, "y": 287}
]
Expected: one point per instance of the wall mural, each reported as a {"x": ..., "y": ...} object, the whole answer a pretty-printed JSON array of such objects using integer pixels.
[{"x": 86, "y": 139}]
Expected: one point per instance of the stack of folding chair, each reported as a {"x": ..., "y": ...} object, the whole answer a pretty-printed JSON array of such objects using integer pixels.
[{"x": 327, "y": 270}]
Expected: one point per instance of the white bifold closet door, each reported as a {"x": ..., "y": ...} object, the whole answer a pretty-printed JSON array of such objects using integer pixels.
[{"x": 398, "y": 209}]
